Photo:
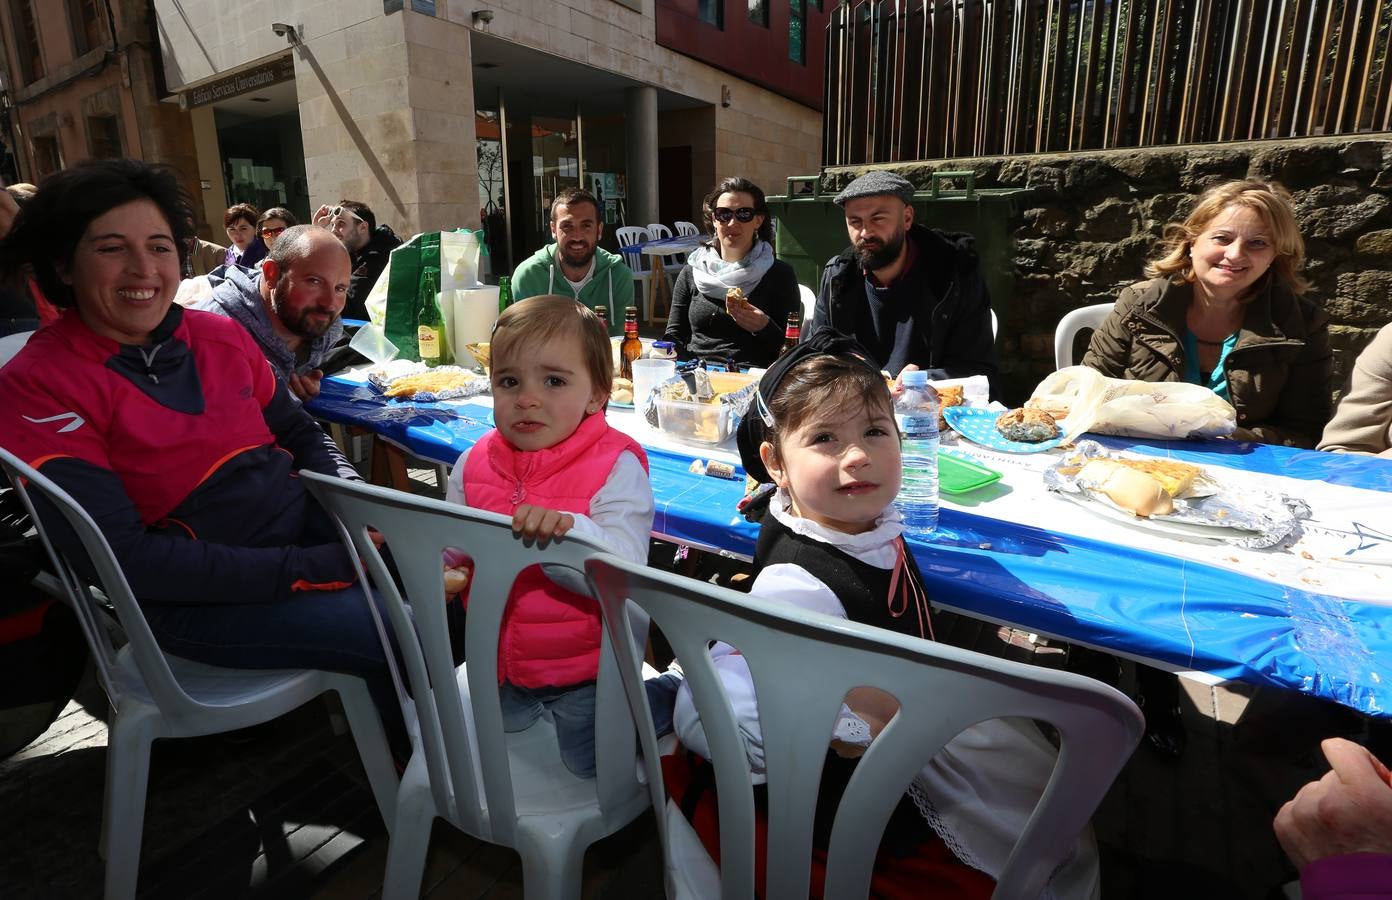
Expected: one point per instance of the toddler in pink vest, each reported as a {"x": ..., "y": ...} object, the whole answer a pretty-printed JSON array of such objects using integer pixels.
[{"x": 556, "y": 467}]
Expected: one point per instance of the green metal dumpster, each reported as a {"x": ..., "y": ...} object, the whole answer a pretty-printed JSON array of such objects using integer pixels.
[{"x": 811, "y": 228}]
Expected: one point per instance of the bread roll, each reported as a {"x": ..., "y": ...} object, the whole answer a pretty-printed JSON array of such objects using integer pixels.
[
  {"x": 1128, "y": 488},
  {"x": 1029, "y": 426}
]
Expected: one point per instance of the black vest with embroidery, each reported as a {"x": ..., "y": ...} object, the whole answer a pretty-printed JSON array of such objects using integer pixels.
[{"x": 863, "y": 589}]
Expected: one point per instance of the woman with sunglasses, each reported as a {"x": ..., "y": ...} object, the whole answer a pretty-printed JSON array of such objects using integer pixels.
[
  {"x": 272, "y": 222},
  {"x": 703, "y": 323}
]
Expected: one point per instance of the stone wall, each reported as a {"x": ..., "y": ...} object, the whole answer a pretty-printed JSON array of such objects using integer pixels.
[{"x": 1085, "y": 224}]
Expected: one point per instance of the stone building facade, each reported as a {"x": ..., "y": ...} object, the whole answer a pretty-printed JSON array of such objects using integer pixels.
[
  {"x": 83, "y": 82},
  {"x": 1085, "y": 223},
  {"x": 393, "y": 97}
]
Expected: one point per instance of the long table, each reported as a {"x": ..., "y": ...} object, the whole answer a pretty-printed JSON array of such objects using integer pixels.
[{"x": 1316, "y": 620}]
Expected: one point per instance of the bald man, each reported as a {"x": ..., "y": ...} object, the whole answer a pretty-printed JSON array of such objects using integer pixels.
[{"x": 292, "y": 307}]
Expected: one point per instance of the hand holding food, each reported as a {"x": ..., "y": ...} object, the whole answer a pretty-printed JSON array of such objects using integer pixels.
[
  {"x": 456, "y": 579},
  {"x": 746, "y": 315}
]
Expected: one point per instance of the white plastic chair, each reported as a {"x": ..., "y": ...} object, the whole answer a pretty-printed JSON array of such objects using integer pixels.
[
  {"x": 809, "y": 305},
  {"x": 1069, "y": 327},
  {"x": 942, "y": 690},
  {"x": 640, "y": 263},
  {"x": 686, "y": 229},
  {"x": 508, "y": 789},
  {"x": 661, "y": 232},
  {"x": 154, "y": 695},
  {"x": 11, "y": 344}
]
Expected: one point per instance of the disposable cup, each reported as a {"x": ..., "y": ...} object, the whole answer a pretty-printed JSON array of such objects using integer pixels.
[{"x": 648, "y": 374}]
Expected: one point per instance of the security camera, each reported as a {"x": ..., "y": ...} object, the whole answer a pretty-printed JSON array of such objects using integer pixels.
[
  {"x": 282, "y": 30},
  {"x": 482, "y": 18}
]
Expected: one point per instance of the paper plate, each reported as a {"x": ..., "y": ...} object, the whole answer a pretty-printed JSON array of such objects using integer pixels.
[{"x": 979, "y": 426}]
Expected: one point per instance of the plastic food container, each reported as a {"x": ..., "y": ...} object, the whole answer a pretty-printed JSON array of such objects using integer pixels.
[
  {"x": 705, "y": 423},
  {"x": 959, "y": 475}
]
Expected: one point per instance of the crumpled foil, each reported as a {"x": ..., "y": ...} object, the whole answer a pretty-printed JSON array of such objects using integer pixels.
[
  {"x": 383, "y": 380},
  {"x": 677, "y": 388},
  {"x": 1244, "y": 517}
]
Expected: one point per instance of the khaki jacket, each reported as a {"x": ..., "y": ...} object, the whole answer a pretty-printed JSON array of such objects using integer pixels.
[
  {"x": 1363, "y": 421},
  {"x": 1278, "y": 373}
]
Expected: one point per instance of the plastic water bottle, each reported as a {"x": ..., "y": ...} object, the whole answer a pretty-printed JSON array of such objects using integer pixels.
[{"x": 916, "y": 411}]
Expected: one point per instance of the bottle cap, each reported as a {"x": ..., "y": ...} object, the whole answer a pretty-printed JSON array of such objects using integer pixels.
[{"x": 915, "y": 378}]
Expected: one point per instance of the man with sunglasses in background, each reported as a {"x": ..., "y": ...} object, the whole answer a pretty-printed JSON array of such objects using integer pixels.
[
  {"x": 368, "y": 243},
  {"x": 912, "y": 295},
  {"x": 575, "y": 265}
]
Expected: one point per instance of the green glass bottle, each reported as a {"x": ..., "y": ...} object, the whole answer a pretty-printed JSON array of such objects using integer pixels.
[
  {"x": 504, "y": 293},
  {"x": 432, "y": 338}
]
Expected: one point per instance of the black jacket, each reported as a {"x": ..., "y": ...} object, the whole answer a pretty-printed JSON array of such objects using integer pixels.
[
  {"x": 701, "y": 328},
  {"x": 950, "y": 333},
  {"x": 368, "y": 264}
]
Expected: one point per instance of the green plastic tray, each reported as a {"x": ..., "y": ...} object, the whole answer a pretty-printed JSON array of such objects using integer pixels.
[{"x": 958, "y": 476}]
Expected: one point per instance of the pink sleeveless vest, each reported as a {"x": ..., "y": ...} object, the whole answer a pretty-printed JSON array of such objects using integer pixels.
[{"x": 550, "y": 636}]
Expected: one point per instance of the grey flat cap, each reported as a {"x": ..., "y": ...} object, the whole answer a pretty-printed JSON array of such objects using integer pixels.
[{"x": 874, "y": 183}]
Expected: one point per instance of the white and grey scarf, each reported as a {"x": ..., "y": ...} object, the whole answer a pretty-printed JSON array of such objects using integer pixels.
[{"x": 714, "y": 276}]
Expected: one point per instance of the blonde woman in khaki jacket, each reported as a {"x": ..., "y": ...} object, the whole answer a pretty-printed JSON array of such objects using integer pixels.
[
  {"x": 1363, "y": 422},
  {"x": 1225, "y": 309}
]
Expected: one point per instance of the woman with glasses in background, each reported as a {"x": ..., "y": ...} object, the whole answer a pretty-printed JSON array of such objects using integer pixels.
[
  {"x": 272, "y": 222},
  {"x": 708, "y": 320},
  {"x": 240, "y": 223}
]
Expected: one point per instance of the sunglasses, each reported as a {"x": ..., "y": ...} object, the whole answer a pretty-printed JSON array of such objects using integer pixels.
[
  {"x": 344, "y": 211},
  {"x": 272, "y": 232},
  {"x": 724, "y": 215}
]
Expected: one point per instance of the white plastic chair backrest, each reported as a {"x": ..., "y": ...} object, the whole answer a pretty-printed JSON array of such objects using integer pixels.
[
  {"x": 417, "y": 530},
  {"x": 942, "y": 690},
  {"x": 1085, "y": 317},
  {"x": 173, "y": 702},
  {"x": 659, "y": 231},
  {"x": 686, "y": 229},
  {"x": 809, "y": 305},
  {"x": 628, "y": 236},
  {"x": 11, "y": 344}
]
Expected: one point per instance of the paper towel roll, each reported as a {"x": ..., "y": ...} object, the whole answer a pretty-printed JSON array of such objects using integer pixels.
[{"x": 473, "y": 313}]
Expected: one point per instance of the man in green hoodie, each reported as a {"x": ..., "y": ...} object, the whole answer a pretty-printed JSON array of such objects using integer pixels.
[{"x": 575, "y": 265}]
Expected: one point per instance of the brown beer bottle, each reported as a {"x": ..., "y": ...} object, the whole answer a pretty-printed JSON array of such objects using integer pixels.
[
  {"x": 603, "y": 313},
  {"x": 631, "y": 347},
  {"x": 794, "y": 332}
]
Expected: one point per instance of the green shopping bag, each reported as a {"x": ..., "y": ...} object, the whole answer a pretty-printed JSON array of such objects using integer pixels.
[{"x": 403, "y": 289}]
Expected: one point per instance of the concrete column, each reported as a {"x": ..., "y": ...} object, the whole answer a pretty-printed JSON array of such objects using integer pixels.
[
  {"x": 640, "y": 126},
  {"x": 387, "y": 117}
]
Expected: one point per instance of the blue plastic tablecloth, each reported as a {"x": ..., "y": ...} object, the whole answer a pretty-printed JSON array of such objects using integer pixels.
[{"x": 1137, "y": 602}]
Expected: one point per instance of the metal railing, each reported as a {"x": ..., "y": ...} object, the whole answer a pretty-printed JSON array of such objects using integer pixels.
[{"x": 936, "y": 79}]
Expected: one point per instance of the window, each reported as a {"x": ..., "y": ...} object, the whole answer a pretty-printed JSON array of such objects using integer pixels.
[
  {"x": 711, "y": 12},
  {"x": 47, "y": 159},
  {"x": 758, "y": 12},
  {"x": 31, "y": 67},
  {"x": 797, "y": 22},
  {"x": 104, "y": 137},
  {"x": 84, "y": 17}
]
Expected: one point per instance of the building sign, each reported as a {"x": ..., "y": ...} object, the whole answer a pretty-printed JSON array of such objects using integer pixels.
[
  {"x": 426, "y": 7},
  {"x": 243, "y": 82}
]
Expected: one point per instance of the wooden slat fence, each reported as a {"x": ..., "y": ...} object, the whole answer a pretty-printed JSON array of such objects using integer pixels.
[{"x": 934, "y": 79}]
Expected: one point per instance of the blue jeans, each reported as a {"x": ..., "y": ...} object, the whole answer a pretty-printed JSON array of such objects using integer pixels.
[
  {"x": 572, "y": 711},
  {"x": 328, "y": 630}
]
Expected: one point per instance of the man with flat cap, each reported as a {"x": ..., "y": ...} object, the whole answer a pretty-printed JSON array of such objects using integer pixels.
[{"x": 912, "y": 295}]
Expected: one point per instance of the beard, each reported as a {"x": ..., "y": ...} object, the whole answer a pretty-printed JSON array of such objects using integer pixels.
[
  {"x": 576, "y": 262},
  {"x": 873, "y": 255},
  {"x": 301, "y": 325}
]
